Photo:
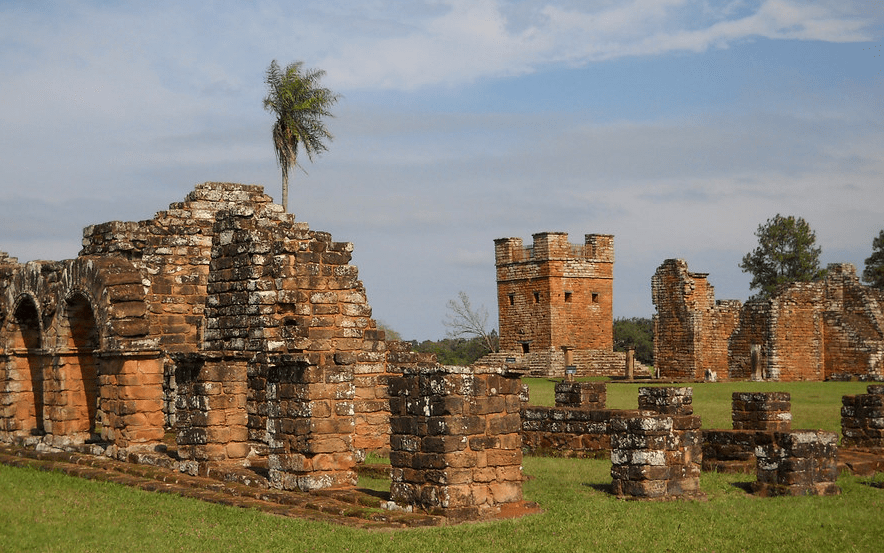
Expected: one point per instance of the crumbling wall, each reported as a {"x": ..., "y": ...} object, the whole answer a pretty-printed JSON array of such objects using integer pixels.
[
  {"x": 805, "y": 331},
  {"x": 690, "y": 328},
  {"x": 222, "y": 318}
]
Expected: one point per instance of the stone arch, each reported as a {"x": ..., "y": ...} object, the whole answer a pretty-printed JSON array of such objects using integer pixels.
[
  {"x": 118, "y": 296},
  {"x": 25, "y": 369},
  {"x": 73, "y": 406}
]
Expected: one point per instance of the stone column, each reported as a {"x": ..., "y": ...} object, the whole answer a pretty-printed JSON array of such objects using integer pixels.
[
  {"x": 862, "y": 419},
  {"x": 666, "y": 400},
  {"x": 801, "y": 462},
  {"x": 583, "y": 395},
  {"x": 656, "y": 456},
  {"x": 755, "y": 360},
  {"x": 211, "y": 418},
  {"x": 766, "y": 411},
  {"x": 310, "y": 424},
  {"x": 630, "y": 363},
  {"x": 455, "y": 442}
]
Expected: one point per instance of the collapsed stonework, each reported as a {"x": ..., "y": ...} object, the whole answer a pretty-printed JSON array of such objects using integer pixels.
[
  {"x": 555, "y": 305},
  {"x": 832, "y": 329},
  {"x": 224, "y": 337},
  {"x": 222, "y": 319}
]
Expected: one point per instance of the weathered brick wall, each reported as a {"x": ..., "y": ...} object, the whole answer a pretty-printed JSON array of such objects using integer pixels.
[
  {"x": 554, "y": 293},
  {"x": 455, "y": 446},
  {"x": 862, "y": 419},
  {"x": 796, "y": 338},
  {"x": 753, "y": 330},
  {"x": 805, "y": 331},
  {"x": 854, "y": 327},
  {"x": 681, "y": 298}
]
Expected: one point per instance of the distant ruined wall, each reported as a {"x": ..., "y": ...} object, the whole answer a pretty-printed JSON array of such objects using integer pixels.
[
  {"x": 806, "y": 331},
  {"x": 691, "y": 329}
]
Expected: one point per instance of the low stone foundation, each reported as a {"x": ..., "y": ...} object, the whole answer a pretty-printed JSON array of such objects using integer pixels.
[
  {"x": 862, "y": 419},
  {"x": 752, "y": 413},
  {"x": 801, "y": 462},
  {"x": 567, "y": 432},
  {"x": 455, "y": 443}
]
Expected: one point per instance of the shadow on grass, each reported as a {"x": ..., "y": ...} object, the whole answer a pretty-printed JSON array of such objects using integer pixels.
[
  {"x": 604, "y": 488},
  {"x": 745, "y": 486}
]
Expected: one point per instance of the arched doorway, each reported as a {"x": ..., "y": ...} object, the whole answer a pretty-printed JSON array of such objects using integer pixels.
[
  {"x": 78, "y": 370},
  {"x": 27, "y": 369}
]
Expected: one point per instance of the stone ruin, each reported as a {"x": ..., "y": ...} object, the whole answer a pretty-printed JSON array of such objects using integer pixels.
[
  {"x": 658, "y": 450},
  {"x": 827, "y": 330},
  {"x": 224, "y": 333}
]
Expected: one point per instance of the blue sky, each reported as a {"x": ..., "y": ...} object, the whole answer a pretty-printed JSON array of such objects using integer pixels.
[{"x": 676, "y": 125}]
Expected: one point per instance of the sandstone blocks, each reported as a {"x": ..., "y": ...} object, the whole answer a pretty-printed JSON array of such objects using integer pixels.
[
  {"x": 862, "y": 419},
  {"x": 455, "y": 443},
  {"x": 801, "y": 462}
]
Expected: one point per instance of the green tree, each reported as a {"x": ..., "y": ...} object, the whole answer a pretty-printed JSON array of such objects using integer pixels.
[
  {"x": 786, "y": 253},
  {"x": 637, "y": 332},
  {"x": 873, "y": 274},
  {"x": 299, "y": 104},
  {"x": 454, "y": 351},
  {"x": 464, "y": 321}
]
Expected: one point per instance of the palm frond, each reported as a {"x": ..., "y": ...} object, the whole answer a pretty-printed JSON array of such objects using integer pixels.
[{"x": 299, "y": 105}]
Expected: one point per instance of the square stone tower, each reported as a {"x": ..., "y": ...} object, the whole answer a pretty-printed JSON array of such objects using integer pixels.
[{"x": 555, "y": 295}]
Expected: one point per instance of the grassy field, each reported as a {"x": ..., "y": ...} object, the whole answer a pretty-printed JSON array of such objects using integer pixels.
[
  {"x": 815, "y": 405},
  {"x": 51, "y": 512}
]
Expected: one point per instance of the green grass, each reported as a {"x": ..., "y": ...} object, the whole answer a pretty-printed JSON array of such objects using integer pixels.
[
  {"x": 815, "y": 405},
  {"x": 51, "y": 512},
  {"x": 42, "y": 511}
]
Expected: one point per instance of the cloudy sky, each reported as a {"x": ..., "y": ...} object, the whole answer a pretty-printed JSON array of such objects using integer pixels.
[{"x": 676, "y": 125}]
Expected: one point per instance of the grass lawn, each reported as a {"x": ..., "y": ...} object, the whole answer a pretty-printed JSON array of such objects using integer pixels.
[
  {"x": 42, "y": 511},
  {"x": 815, "y": 405}
]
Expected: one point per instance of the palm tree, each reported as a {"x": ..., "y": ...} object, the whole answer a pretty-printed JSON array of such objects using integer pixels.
[{"x": 299, "y": 105}]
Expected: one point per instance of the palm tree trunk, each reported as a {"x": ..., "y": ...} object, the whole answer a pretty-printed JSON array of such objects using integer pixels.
[{"x": 285, "y": 191}]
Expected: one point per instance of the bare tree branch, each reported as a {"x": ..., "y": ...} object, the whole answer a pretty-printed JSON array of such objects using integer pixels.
[{"x": 463, "y": 321}]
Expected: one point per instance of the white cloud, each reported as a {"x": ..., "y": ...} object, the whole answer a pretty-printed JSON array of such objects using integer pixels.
[{"x": 477, "y": 38}]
